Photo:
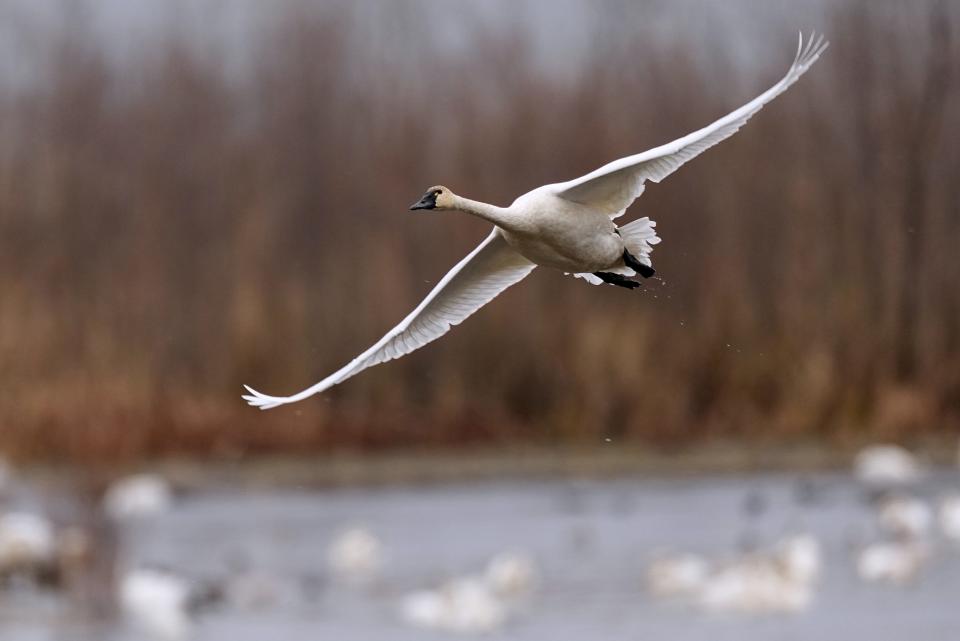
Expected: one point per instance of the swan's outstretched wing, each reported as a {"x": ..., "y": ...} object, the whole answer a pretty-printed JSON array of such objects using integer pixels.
[
  {"x": 472, "y": 283},
  {"x": 614, "y": 186}
]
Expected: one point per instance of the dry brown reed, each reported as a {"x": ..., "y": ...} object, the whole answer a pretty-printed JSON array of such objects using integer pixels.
[{"x": 169, "y": 230}]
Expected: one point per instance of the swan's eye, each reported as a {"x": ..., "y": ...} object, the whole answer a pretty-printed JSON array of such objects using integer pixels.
[{"x": 437, "y": 192}]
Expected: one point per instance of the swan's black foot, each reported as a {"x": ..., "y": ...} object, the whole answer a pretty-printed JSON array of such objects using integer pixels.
[
  {"x": 617, "y": 279},
  {"x": 631, "y": 261}
]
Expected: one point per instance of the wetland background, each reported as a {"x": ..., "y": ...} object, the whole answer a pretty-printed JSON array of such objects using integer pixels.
[{"x": 199, "y": 195}]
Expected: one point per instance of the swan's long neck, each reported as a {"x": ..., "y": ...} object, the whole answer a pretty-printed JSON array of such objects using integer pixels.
[{"x": 499, "y": 216}]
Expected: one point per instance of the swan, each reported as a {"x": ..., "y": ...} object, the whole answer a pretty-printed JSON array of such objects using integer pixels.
[
  {"x": 906, "y": 517},
  {"x": 466, "y": 605},
  {"x": 891, "y": 561},
  {"x": 474, "y": 603},
  {"x": 27, "y": 543},
  {"x": 882, "y": 466},
  {"x": 681, "y": 575},
  {"x": 950, "y": 516},
  {"x": 137, "y": 497},
  {"x": 355, "y": 555},
  {"x": 157, "y": 602},
  {"x": 780, "y": 579},
  {"x": 511, "y": 575},
  {"x": 755, "y": 585},
  {"x": 566, "y": 226}
]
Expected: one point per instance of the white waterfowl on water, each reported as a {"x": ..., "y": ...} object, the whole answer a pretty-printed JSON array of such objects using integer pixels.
[
  {"x": 355, "y": 555},
  {"x": 681, "y": 575},
  {"x": 157, "y": 603},
  {"x": 892, "y": 561},
  {"x": 137, "y": 497},
  {"x": 950, "y": 517},
  {"x": 905, "y": 516},
  {"x": 780, "y": 579},
  {"x": 27, "y": 542},
  {"x": 886, "y": 466},
  {"x": 566, "y": 226},
  {"x": 511, "y": 575},
  {"x": 466, "y": 606}
]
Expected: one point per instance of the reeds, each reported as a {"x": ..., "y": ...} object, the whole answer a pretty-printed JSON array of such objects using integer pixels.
[{"x": 171, "y": 228}]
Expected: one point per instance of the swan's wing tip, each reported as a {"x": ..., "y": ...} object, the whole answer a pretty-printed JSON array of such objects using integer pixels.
[
  {"x": 816, "y": 44},
  {"x": 262, "y": 401}
]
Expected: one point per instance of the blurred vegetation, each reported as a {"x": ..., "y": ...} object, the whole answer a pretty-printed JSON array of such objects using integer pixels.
[{"x": 172, "y": 227}]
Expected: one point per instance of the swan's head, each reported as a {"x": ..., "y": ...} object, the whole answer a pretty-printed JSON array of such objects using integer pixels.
[{"x": 438, "y": 197}]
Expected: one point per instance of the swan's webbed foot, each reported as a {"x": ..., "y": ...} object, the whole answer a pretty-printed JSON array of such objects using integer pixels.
[
  {"x": 633, "y": 263},
  {"x": 617, "y": 279}
]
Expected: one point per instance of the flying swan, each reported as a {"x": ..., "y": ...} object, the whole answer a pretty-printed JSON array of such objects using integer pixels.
[{"x": 567, "y": 226}]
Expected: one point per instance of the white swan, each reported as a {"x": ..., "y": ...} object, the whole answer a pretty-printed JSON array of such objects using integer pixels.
[
  {"x": 780, "y": 579},
  {"x": 466, "y": 605},
  {"x": 905, "y": 516},
  {"x": 950, "y": 516},
  {"x": 511, "y": 575},
  {"x": 157, "y": 603},
  {"x": 27, "y": 543},
  {"x": 355, "y": 555},
  {"x": 137, "y": 497},
  {"x": 681, "y": 575},
  {"x": 886, "y": 466},
  {"x": 892, "y": 561},
  {"x": 566, "y": 226}
]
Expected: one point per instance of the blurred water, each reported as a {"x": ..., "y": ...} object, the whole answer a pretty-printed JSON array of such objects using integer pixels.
[{"x": 592, "y": 541}]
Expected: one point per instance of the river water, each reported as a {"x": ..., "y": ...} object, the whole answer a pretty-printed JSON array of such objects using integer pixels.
[{"x": 591, "y": 541}]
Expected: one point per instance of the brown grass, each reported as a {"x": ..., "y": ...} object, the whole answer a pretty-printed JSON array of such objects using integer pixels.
[{"x": 169, "y": 231}]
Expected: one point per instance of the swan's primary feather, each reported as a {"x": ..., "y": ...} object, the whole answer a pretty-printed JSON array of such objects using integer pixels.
[
  {"x": 615, "y": 185},
  {"x": 476, "y": 280}
]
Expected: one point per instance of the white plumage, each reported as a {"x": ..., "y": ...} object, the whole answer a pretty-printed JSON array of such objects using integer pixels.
[
  {"x": 355, "y": 555},
  {"x": 156, "y": 602},
  {"x": 885, "y": 465},
  {"x": 27, "y": 542},
  {"x": 891, "y": 561},
  {"x": 905, "y": 516},
  {"x": 474, "y": 603},
  {"x": 754, "y": 585},
  {"x": 950, "y": 516},
  {"x": 137, "y": 497},
  {"x": 511, "y": 575},
  {"x": 566, "y": 226},
  {"x": 466, "y": 605},
  {"x": 781, "y": 579},
  {"x": 681, "y": 575}
]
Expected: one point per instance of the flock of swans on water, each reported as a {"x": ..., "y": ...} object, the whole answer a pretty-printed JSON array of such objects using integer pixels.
[
  {"x": 38, "y": 552},
  {"x": 783, "y": 578}
]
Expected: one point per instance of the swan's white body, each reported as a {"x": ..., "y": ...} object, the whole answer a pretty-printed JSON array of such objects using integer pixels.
[
  {"x": 156, "y": 602},
  {"x": 567, "y": 226},
  {"x": 137, "y": 497}
]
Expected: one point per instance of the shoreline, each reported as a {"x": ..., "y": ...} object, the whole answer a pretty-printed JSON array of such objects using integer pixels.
[{"x": 426, "y": 467}]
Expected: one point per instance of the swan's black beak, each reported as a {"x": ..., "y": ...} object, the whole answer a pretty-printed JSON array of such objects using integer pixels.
[{"x": 429, "y": 201}]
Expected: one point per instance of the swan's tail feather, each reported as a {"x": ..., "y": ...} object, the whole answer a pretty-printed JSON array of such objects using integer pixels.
[{"x": 639, "y": 237}]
